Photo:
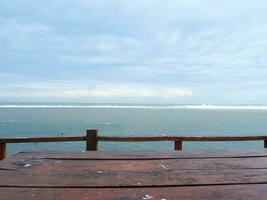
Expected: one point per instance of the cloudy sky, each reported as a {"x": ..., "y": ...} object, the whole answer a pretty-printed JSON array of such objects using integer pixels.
[{"x": 134, "y": 51}]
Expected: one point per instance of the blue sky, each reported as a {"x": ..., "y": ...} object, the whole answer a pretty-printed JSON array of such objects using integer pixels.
[{"x": 134, "y": 51}]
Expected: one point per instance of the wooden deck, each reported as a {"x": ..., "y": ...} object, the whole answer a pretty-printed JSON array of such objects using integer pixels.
[{"x": 134, "y": 175}]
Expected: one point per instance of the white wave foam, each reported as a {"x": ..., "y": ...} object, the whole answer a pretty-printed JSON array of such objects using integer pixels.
[
  {"x": 200, "y": 107},
  {"x": 104, "y": 123}
]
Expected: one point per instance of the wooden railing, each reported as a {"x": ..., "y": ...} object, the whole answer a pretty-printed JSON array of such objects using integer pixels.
[{"x": 92, "y": 138}]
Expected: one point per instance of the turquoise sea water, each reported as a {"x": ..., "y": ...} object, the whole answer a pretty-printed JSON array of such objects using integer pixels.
[{"x": 29, "y": 120}]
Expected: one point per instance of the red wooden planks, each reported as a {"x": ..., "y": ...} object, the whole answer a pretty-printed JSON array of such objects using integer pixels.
[
  {"x": 115, "y": 173},
  {"x": 122, "y": 155},
  {"x": 244, "y": 192},
  {"x": 121, "y": 175},
  {"x": 138, "y": 165}
]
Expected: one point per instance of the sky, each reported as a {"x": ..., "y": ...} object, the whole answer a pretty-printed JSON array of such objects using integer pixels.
[{"x": 134, "y": 51}]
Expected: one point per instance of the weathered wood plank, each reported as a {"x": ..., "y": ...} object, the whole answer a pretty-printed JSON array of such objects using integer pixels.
[
  {"x": 244, "y": 192},
  {"x": 120, "y": 155},
  {"x": 105, "y": 175},
  {"x": 69, "y": 173},
  {"x": 136, "y": 165},
  {"x": 182, "y": 138},
  {"x": 134, "y": 139},
  {"x": 43, "y": 139}
]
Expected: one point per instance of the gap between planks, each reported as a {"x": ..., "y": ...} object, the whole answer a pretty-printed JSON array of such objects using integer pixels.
[
  {"x": 133, "y": 186},
  {"x": 142, "y": 159}
]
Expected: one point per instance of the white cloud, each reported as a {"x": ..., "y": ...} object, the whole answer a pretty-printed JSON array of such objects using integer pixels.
[
  {"x": 37, "y": 90},
  {"x": 123, "y": 91},
  {"x": 205, "y": 45}
]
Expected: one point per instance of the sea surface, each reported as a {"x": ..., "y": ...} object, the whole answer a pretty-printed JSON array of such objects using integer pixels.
[{"x": 47, "y": 119}]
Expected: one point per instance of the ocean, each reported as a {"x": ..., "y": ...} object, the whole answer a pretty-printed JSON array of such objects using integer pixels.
[{"x": 47, "y": 119}]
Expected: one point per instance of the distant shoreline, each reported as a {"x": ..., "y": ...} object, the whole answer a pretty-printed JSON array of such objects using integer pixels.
[{"x": 121, "y": 106}]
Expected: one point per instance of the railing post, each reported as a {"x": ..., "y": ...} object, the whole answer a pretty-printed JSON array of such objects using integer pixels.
[
  {"x": 91, "y": 140},
  {"x": 2, "y": 151},
  {"x": 265, "y": 143},
  {"x": 178, "y": 145}
]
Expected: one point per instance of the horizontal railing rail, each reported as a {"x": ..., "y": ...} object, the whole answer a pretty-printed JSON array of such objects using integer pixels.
[
  {"x": 180, "y": 138},
  {"x": 92, "y": 140},
  {"x": 43, "y": 139}
]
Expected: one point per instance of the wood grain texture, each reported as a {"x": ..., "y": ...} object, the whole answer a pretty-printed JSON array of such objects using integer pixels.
[
  {"x": 241, "y": 192},
  {"x": 174, "y": 175},
  {"x": 124, "y": 155},
  {"x": 36, "y": 172}
]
